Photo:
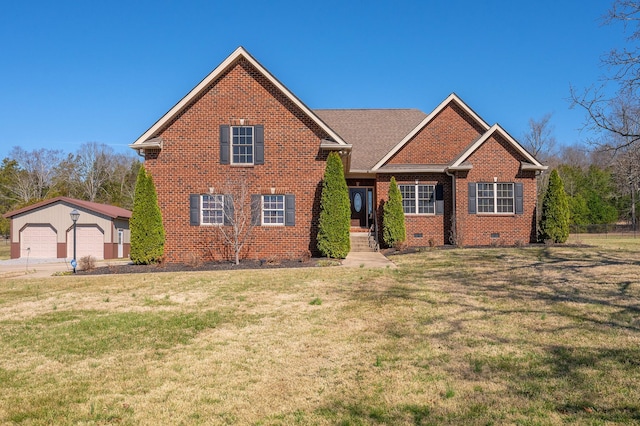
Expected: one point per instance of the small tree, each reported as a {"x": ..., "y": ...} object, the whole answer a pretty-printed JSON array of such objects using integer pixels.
[
  {"x": 393, "y": 228},
  {"x": 238, "y": 217},
  {"x": 147, "y": 232},
  {"x": 554, "y": 224},
  {"x": 335, "y": 211}
]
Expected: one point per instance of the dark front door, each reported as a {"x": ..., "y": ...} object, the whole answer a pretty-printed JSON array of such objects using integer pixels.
[{"x": 358, "y": 198}]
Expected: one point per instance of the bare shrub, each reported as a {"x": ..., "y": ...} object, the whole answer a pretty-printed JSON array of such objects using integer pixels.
[
  {"x": 87, "y": 263},
  {"x": 193, "y": 260}
]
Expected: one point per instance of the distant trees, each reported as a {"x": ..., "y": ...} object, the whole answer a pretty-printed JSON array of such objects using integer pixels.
[
  {"x": 94, "y": 173},
  {"x": 393, "y": 226},
  {"x": 539, "y": 139},
  {"x": 335, "y": 211},
  {"x": 592, "y": 195},
  {"x": 147, "y": 231},
  {"x": 554, "y": 225}
]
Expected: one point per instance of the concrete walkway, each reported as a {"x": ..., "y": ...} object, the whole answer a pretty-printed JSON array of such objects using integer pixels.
[{"x": 367, "y": 259}]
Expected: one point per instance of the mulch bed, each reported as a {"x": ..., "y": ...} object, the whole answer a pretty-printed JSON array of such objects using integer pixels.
[{"x": 129, "y": 268}]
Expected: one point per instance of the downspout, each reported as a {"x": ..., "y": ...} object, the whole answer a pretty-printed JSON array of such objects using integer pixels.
[{"x": 453, "y": 213}]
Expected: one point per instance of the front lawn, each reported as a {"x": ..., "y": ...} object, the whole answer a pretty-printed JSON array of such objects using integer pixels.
[{"x": 540, "y": 335}]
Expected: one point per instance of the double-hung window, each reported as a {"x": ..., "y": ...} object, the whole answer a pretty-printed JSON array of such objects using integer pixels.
[
  {"x": 212, "y": 209},
  {"x": 495, "y": 197},
  {"x": 242, "y": 144},
  {"x": 418, "y": 199},
  {"x": 273, "y": 209}
]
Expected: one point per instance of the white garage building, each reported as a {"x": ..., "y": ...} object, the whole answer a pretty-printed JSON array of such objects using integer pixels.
[{"x": 45, "y": 230}]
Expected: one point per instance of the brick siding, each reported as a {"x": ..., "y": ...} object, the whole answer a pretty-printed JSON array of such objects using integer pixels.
[{"x": 189, "y": 163}]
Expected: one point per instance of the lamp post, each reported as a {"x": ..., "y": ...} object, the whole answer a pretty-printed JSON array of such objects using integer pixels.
[{"x": 74, "y": 217}]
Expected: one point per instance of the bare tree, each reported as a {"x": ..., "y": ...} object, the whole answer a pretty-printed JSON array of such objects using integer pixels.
[
  {"x": 94, "y": 167},
  {"x": 33, "y": 179},
  {"x": 616, "y": 101},
  {"x": 539, "y": 140},
  {"x": 238, "y": 207}
]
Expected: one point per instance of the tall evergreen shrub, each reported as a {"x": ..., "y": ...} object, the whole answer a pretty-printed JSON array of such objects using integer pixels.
[
  {"x": 147, "y": 232},
  {"x": 335, "y": 211},
  {"x": 393, "y": 227},
  {"x": 554, "y": 224}
]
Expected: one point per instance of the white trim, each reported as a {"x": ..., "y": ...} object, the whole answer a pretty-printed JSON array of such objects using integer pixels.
[
  {"x": 239, "y": 52},
  {"x": 451, "y": 98},
  {"x": 416, "y": 199},
  {"x": 202, "y": 209},
  {"x": 253, "y": 146},
  {"x": 284, "y": 210},
  {"x": 495, "y": 128},
  {"x": 495, "y": 197}
]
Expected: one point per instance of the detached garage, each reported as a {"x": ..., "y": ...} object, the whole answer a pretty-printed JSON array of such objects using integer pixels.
[{"x": 45, "y": 230}]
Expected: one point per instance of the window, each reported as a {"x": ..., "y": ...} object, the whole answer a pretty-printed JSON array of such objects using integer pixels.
[
  {"x": 418, "y": 199},
  {"x": 273, "y": 209},
  {"x": 212, "y": 209},
  {"x": 242, "y": 145},
  {"x": 495, "y": 197}
]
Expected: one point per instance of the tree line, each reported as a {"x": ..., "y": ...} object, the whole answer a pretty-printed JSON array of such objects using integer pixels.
[{"x": 94, "y": 173}]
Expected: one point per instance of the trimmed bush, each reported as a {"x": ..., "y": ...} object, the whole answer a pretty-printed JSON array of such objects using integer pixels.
[
  {"x": 335, "y": 211},
  {"x": 147, "y": 232},
  {"x": 554, "y": 225},
  {"x": 393, "y": 228}
]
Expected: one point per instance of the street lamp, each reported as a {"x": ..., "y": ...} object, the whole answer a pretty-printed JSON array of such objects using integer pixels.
[{"x": 74, "y": 217}]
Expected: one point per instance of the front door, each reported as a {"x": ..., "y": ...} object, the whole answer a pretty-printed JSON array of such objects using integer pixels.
[
  {"x": 358, "y": 197},
  {"x": 120, "y": 243}
]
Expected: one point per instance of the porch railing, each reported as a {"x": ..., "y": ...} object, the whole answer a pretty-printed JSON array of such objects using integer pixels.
[{"x": 373, "y": 233}]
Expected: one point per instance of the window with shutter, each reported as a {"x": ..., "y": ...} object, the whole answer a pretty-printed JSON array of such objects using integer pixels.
[
  {"x": 418, "y": 199},
  {"x": 494, "y": 198}
]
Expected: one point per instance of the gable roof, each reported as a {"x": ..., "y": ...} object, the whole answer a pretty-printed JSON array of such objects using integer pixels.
[
  {"x": 451, "y": 98},
  {"x": 372, "y": 132},
  {"x": 240, "y": 52},
  {"x": 531, "y": 164},
  {"x": 104, "y": 209}
]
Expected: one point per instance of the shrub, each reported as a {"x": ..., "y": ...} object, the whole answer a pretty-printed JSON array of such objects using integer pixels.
[
  {"x": 87, "y": 263},
  {"x": 393, "y": 228},
  {"x": 147, "y": 232},
  {"x": 554, "y": 224},
  {"x": 335, "y": 211}
]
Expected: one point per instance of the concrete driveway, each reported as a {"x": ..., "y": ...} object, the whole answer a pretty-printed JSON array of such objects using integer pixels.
[{"x": 41, "y": 268}]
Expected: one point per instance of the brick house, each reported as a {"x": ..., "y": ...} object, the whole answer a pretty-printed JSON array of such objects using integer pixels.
[{"x": 461, "y": 179}]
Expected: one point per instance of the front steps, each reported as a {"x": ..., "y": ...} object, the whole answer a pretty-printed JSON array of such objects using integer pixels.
[{"x": 361, "y": 242}]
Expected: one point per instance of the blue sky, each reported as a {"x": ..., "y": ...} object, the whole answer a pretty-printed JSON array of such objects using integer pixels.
[{"x": 95, "y": 71}]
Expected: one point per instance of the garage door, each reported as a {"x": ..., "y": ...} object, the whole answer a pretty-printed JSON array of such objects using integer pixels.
[
  {"x": 38, "y": 241},
  {"x": 89, "y": 240}
]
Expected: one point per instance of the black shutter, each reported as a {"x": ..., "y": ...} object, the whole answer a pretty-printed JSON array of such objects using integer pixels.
[
  {"x": 194, "y": 209},
  {"x": 224, "y": 144},
  {"x": 228, "y": 210},
  {"x": 289, "y": 210},
  {"x": 472, "y": 198},
  {"x": 258, "y": 144},
  {"x": 519, "y": 193},
  {"x": 439, "y": 199},
  {"x": 256, "y": 210}
]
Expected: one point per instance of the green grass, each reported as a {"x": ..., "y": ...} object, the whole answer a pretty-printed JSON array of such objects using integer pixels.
[{"x": 529, "y": 336}]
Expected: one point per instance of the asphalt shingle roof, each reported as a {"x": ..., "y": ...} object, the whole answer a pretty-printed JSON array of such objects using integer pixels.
[{"x": 372, "y": 132}]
